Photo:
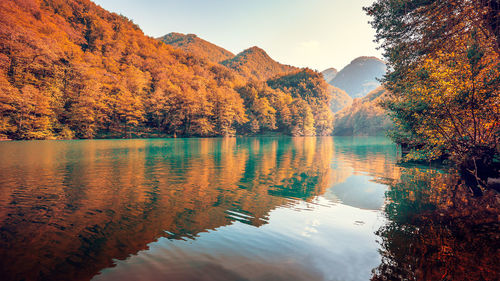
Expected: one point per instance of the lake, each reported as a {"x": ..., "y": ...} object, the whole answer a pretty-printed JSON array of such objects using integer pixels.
[{"x": 266, "y": 208}]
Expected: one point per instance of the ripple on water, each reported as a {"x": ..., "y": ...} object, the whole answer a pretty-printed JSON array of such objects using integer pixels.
[{"x": 205, "y": 209}]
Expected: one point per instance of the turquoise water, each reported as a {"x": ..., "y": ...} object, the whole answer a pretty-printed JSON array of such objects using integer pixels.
[{"x": 195, "y": 209}]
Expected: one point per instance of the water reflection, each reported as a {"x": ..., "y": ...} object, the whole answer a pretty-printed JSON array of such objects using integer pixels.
[
  {"x": 437, "y": 231},
  {"x": 71, "y": 208},
  {"x": 235, "y": 209},
  {"x": 321, "y": 242},
  {"x": 362, "y": 167}
]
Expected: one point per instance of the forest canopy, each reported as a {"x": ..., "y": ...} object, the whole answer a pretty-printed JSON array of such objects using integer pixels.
[
  {"x": 70, "y": 69},
  {"x": 444, "y": 79}
]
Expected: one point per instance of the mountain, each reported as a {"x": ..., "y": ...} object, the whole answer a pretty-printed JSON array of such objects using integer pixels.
[
  {"x": 70, "y": 69},
  {"x": 255, "y": 63},
  {"x": 340, "y": 99},
  {"x": 195, "y": 45},
  {"x": 365, "y": 117},
  {"x": 252, "y": 63},
  {"x": 329, "y": 74},
  {"x": 360, "y": 76}
]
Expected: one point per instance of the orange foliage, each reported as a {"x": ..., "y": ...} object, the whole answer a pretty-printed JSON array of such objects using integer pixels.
[{"x": 71, "y": 69}]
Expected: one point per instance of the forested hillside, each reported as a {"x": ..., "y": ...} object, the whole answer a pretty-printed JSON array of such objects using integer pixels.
[
  {"x": 255, "y": 63},
  {"x": 310, "y": 106},
  {"x": 252, "y": 63},
  {"x": 444, "y": 81},
  {"x": 340, "y": 99},
  {"x": 195, "y": 45},
  {"x": 70, "y": 69},
  {"x": 365, "y": 117}
]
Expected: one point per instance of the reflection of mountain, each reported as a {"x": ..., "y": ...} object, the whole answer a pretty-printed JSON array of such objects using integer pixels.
[
  {"x": 311, "y": 241},
  {"x": 356, "y": 157},
  {"x": 79, "y": 205},
  {"x": 360, "y": 192}
]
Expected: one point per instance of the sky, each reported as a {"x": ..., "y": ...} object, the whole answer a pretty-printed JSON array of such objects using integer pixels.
[{"x": 306, "y": 33}]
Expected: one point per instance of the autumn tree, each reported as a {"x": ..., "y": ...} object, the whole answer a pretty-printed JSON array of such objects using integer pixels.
[
  {"x": 302, "y": 119},
  {"x": 7, "y": 108},
  {"x": 309, "y": 87},
  {"x": 34, "y": 116},
  {"x": 228, "y": 110},
  {"x": 444, "y": 80},
  {"x": 72, "y": 69},
  {"x": 258, "y": 98}
]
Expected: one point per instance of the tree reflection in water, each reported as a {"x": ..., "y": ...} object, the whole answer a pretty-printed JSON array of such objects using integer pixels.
[
  {"x": 69, "y": 208},
  {"x": 437, "y": 231}
]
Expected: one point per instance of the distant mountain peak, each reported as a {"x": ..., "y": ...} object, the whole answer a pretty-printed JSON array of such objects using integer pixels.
[
  {"x": 193, "y": 44},
  {"x": 329, "y": 74},
  {"x": 331, "y": 69},
  {"x": 176, "y": 36},
  {"x": 254, "y": 51},
  {"x": 366, "y": 58},
  {"x": 360, "y": 76},
  {"x": 255, "y": 63}
]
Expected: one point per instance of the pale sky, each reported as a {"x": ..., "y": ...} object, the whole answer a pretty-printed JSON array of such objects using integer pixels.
[{"x": 305, "y": 33}]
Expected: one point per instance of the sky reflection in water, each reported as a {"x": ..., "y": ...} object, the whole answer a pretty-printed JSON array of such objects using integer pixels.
[{"x": 194, "y": 209}]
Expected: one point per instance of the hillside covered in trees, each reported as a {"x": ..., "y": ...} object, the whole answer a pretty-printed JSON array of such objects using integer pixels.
[
  {"x": 355, "y": 80},
  {"x": 365, "y": 117},
  {"x": 195, "y": 45},
  {"x": 444, "y": 81},
  {"x": 340, "y": 99},
  {"x": 310, "y": 112},
  {"x": 70, "y": 69},
  {"x": 255, "y": 63}
]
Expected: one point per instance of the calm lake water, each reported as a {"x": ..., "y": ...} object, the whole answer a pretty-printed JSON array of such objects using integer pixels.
[{"x": 227, "y": 209}]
